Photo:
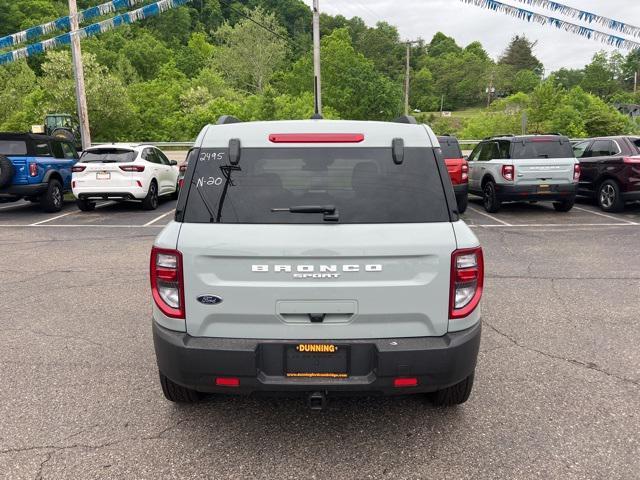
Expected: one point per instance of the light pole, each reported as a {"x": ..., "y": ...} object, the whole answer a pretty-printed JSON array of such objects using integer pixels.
[
  {"x": 407, "y": 77},
  {"x": 317, "y": 79},
  {"x": 78, "y": 72}
]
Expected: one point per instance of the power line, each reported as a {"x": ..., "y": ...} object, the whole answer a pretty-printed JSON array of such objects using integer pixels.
[
  {"x": 262, "y": 25},
  {"x": 584, "y": 16},
  {"x": 529, "y": 16}
]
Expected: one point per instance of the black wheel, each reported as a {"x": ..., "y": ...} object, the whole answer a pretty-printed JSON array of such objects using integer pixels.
[
  {"x": 176, "y": 393},
  {"x": 490, "y": 198},
  {"x": 86, "y": 205},
  {"x": 53, "y": 199},
  {"x": 453, "y": 395},
  {"x": 150, "y": 202},
  {"x": 462, "y": 201},
  {"x": 609, "y": 196},
  {"x": 7, "y": 170},
  {"x": 565, "y": 205}
]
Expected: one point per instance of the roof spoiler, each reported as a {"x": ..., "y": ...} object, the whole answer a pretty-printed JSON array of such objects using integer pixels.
[
  {"x": 227, "y": 119},
  {"x": 406, "y": 119}
]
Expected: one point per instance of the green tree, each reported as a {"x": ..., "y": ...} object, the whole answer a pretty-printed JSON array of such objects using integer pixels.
[
  {"x": 568, "y": 78},
  {"x": 600, "y": 77},
  {"x": 519, "y": 55},
  {"x": 525, "y": 81},
  {"x": 147, "y": 54},
  {"x": 250, "y": 54},
  {"x": 350, "y": 83}
]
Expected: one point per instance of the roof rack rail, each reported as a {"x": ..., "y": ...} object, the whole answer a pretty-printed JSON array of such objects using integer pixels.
[
  {"x": 499, "y": 136},
  {"x": 227, "y": 119},
  {"x": 406, "y": 119},
  {"x": 551, "y": 133}
]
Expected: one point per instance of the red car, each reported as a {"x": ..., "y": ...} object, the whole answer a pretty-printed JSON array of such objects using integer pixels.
[{"x": 458, "y": 169}]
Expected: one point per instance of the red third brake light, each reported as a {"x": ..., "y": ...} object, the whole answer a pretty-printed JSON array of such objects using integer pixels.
[
  {"x": 316, "y": 137},
  {"x": 576, "y": 172},
  {"x": 508, "y": 172},
  {"x": 467, "y": 280},
  {"x": 167, "y": 284},
  {"x": 132, "y": 168}
]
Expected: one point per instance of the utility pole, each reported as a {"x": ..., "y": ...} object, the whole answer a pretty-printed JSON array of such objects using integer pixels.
[
  {"x": 78, "y": 72},
  {"x": 317, "y": 79},
  {"x": 407, "y": 80},
  {"x": 635, "y": 82}
]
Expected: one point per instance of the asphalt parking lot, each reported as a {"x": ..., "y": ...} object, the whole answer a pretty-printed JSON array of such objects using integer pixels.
[{"x": 557, "y": 391}]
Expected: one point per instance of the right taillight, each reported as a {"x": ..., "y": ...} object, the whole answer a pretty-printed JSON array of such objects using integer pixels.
[
  {"x": 467, "y": 280},
  {"x": 183, "y": 167},
  {"x": 576, "y": 172},
  {"x": 132, "y": 168},
  {"x": 631, "y": 159},
  {"x": 508, "y": 172},
  {"x": 167, "y": 284}
]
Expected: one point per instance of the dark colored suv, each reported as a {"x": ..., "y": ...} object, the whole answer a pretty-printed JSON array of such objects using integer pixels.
[
  {"x": 610, "y": 170},
  {"x": 458, "y": 169}
]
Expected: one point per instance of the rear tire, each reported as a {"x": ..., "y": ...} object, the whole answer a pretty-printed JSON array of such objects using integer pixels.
[
  {"x": 86, "y": 205},
  {"x": 609, "y": 197},
  {"x": 177, "y": 393},
  {"x": 150, "y": 202},
  {"x": 53, "y": 199},
  {"x": 453, "y": 395},
  {"x": 7, "y": 170},
  {"x": 490, "y": 198},
  {"x": 565, "y": 205},
  {"x": 462, "y": 201}
]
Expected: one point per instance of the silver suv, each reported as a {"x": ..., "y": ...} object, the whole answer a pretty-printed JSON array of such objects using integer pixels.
[
  {"x": 317, "y": 257},
  {"x": 512, "y": 168}
]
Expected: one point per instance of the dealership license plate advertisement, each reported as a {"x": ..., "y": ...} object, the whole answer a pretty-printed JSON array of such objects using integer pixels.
[
  {"x": 103, "y": 176},
  {"x": 316, "y": 360}
]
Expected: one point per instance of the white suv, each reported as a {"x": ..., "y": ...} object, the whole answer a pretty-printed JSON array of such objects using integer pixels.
[{"x": 123, "y": 172}]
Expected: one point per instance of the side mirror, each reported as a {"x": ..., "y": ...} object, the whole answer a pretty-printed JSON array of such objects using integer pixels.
[{"x": 173, "y": 163}]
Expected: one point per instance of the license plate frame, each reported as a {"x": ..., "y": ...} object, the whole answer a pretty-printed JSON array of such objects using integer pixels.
[
  {"x": 103, "y": 175},
  {"x": 302, "y": 363}
]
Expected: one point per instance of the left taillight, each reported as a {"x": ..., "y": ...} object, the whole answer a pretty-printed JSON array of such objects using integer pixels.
[
  {"x": 33, "y": 169},
  {"x": 576, "y": 172},
  {"x": 167, "y": 283},
  {"x": 467, "y": 280},
  {"x": 508, "y": 172},
  {"x": 465, "y": 171},
  {"x": 78, "y": 168}
]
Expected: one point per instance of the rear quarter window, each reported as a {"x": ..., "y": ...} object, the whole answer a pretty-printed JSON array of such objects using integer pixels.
[
  {"x": 535, "y": 149},
  {"x": 450, "y": 147},
  {"x": 364, "y": 185},
  {"x": 13, "y": 147}
]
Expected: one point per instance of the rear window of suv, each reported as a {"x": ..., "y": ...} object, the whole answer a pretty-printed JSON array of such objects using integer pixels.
[
  {"x": 13, "y": 147},
  {"x": 363, "y": 184},
  {"x": 450, "y": 147},
  {"x": 108, "y": 155},
  {"x": 541, "y": 148}
]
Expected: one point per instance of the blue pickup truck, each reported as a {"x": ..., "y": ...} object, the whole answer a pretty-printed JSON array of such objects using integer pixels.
[{"x": 36, "y": 168}]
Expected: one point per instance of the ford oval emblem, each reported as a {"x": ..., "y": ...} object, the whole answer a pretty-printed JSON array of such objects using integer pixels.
[{"x": 209, "y": 299}]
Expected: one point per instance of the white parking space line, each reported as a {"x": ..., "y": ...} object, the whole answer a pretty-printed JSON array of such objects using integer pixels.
[
  {"x": 148, "y": 224},
  {"x": 559, "y": 225},
  {"x": 14, "y": 205},
  {"x": 490, "y": 216},
  {"x": 66, "y": 215},
  {"x": 611, "y": 217}
]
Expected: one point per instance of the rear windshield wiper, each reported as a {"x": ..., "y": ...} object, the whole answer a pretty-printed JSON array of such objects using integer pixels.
[{"x": 329, "y": 211}]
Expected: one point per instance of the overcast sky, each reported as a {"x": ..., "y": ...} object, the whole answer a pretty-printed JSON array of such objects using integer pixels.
[{"x": 467, "y": 23}]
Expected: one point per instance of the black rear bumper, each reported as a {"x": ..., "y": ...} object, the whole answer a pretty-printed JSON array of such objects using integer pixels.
[
  {"x": 461, "y": 189},
  {"x": 28, "y": 190},
  {"x": 437, "y": 362},
  {"x": 106, "y": 196},
  {"x": 555, "y": 193}
]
